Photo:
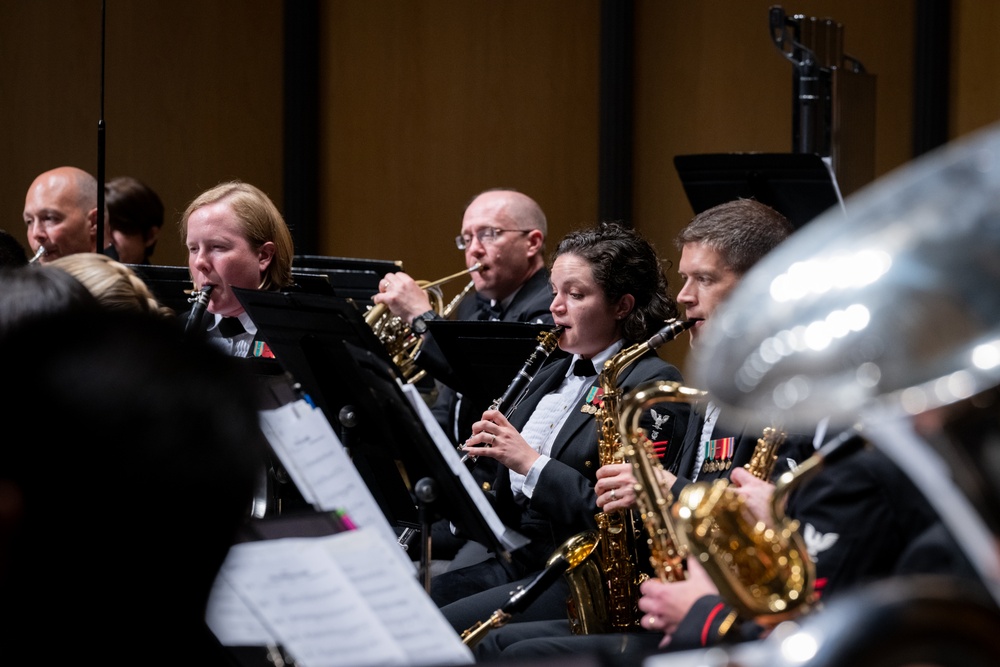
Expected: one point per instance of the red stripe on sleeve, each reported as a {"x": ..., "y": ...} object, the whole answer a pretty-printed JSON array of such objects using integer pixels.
[{"x": 708, "y": 622}]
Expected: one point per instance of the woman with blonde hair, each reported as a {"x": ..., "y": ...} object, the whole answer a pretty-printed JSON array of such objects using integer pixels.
[
  {"x": 236, "y": 238},
  {"x": 115, "y": 285}
]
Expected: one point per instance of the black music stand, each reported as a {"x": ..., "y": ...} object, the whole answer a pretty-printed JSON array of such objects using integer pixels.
[
  {"x": 327, "y": 346},
  {"x": 483, "y": 356},
  {"x": 312, "y": 281},
  {"x": 169, "y": 284},
  {"x": 351, "y": 278},
  {"x": 434, "y": 483},
  {"x": 798, "y": 185},
  {"x": 307, "y": 332}
]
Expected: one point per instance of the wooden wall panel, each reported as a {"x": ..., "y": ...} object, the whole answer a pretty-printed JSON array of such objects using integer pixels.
[
  {"x": 192, "y": 97},
  {"x": 710, "y": 80},
  {"x": 975, "y": 53},
  {"x": 427, "y": 103}
]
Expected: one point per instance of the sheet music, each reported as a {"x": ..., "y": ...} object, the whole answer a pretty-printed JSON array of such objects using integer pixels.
[
  {"x": 332, "y": 601},
  {"x": 509, "y": 538},
  {"x": 321, "y": 468},
  {"x": 232, "y": 620}
]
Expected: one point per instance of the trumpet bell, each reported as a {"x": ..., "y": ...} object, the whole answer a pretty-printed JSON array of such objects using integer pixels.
[{"x": 394, "y": 333}]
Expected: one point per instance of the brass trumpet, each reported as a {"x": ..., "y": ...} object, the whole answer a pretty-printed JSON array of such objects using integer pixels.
[{"x": 399, "y": 341}]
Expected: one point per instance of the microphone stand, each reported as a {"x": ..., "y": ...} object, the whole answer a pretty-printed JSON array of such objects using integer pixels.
[{"x": 101, "y": 140}]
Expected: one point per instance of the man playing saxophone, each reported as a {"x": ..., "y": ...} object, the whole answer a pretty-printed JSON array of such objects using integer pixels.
[{"x": 610, "y": 293}]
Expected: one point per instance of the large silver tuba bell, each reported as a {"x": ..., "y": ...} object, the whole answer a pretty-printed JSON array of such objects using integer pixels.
[{"x": 889, "y": 318}]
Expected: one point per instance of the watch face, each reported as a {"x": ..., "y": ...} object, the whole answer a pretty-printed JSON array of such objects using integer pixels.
[{"x": 419, "y": 326}]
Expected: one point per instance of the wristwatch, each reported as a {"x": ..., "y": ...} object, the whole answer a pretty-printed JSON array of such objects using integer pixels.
[{"x": 419, "y": 324}]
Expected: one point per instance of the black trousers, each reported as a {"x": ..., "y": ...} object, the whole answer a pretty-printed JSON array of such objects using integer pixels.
[{"x": 471, "y": 594}]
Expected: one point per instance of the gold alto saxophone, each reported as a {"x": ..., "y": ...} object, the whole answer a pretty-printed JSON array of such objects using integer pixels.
[
  {"x": 604, "y": 590},
  {"x": 763, "y": 571},
  {"x": 654, "y": 502}
]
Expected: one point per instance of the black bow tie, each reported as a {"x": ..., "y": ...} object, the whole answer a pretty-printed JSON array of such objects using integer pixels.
[
  {"x": 488, "y": 311},
  {"x": 231, "y": 326},
  {"x": 584, "y": 367}
]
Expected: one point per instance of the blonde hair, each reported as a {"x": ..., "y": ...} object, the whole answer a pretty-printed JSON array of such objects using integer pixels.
[
  {"x": 115, "y": 285},
  {"x": 261, "y": 221}
]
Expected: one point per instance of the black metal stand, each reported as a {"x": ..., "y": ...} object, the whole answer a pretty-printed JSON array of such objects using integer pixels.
[
  {"x": 348, "y": 420},
  {"x": 426, "y": 493}
]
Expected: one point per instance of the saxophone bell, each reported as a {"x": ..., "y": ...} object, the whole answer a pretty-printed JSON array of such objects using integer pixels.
[{"x": 764, "y": 572}]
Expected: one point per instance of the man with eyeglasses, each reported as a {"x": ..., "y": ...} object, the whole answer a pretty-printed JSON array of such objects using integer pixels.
[{"x": 503, "y": 231}]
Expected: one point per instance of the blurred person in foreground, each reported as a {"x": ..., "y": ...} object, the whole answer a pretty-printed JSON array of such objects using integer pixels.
[
  {"x": 114, "y": 284},
  {"x": 99, "y": 511}
]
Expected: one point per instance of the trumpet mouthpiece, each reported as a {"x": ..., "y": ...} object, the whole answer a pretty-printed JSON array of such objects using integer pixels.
[{"x": 38, "y": 254}]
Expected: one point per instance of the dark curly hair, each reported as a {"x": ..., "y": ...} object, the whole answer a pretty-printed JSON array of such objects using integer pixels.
[{"x": 623, "y": 262}]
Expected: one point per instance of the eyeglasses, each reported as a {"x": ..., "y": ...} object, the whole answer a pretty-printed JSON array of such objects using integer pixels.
[{"x": 485, "y": 236}]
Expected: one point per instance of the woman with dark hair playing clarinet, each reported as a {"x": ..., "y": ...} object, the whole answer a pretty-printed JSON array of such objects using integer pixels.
[{"x": 609, "y": 295}]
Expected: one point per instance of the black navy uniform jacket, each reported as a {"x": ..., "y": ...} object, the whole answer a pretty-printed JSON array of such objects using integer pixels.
[
  {"x": 795, "y": 449},
  {"x": 563, "y": 503}
]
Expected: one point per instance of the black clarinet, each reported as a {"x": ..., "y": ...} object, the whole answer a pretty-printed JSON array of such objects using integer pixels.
[
  {"x": 547, "y": 341},
  {"x": 200, "y": 301}
]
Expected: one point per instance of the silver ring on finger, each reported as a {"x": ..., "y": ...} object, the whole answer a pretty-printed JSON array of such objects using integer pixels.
[
  {"x": 494, "y": 440},
  {"x": 614, "y": 496}
]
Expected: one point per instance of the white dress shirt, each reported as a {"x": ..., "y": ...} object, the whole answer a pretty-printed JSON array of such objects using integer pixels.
[
  {"x": 238, "y": 345},
  {"x": 548, "y": 418}
]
